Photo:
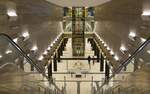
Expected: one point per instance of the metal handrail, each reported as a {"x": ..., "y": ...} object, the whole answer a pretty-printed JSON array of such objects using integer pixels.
[
  {"x": 21, "y": 52},
  {"x": 126, "y": 62}
]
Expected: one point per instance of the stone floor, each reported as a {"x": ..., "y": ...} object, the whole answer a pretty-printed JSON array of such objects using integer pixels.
[{"x": 77, "y": 66}]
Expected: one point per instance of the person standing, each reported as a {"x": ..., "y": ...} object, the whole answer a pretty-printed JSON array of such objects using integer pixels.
[
  {"x": 93, "y": 61},
  {"x": 89, "y": 59}
]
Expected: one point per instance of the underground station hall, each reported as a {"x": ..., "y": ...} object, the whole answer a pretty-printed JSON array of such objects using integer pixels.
[{"x": 74, "y": 46}]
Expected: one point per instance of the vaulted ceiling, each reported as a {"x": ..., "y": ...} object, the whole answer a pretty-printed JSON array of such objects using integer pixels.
[
  {"x": 42, "y": 21},
  {"x": 114, "y": 21}
]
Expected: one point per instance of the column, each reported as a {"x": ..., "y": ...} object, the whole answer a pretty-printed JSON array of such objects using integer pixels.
[
  {"x": 78, "y": 87},
  {"x": 50, "y": 70},
  {"x": 107, "y": 68},
  {"x": 102, "y": 63},
  {"x": 55, "y": 63}
]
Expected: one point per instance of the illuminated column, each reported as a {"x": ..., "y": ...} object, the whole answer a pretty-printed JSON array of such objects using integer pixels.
[{"x": 78, "y": 28}]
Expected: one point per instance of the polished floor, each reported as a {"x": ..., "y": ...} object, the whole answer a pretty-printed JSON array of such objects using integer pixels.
[
  {"x": 12, "y": 79},
  {"x": 92, "y": 78}
]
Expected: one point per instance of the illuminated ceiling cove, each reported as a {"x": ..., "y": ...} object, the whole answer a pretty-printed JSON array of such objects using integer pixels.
[{"x": 78, "y": 3}]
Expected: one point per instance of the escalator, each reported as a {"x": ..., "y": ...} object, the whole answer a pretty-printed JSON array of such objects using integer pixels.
[
  {"x": 134, "y": 82},
  {"x": 16, "y": 77}
]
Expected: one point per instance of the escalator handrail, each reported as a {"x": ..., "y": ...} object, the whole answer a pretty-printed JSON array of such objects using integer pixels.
[
  {"x": 20, "y": 51},
  {"x": 126, "y": 62},
  {"x": 8, "y": 38}
]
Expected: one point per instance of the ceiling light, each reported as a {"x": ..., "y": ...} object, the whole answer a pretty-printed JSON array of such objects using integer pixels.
[
  {"x": 141, "y": 60},
  {"x": 111, "y": 52},
  {"x": 102, "y": 42},
  {"x": 105, "y": 45},
  {"x": 11, "y": 13},
  {"x": 45, "y": 53},
  {"x": 15, "y": 40},
  {"x": 34, "y": 48},
  {"x": 51, "y": 45},
  {"x": 25, "y": 34},
  {"x": 143, "y": 40},
  {"x": 132, "y": 34},
  {"x": 1, "y": 56},
  {"x": 116, "y": 57},
  {"x": 148, "y": 51},
  {"x": 129, "y": 55},
  {"x": 146, "y": 13},
  {"x": 48, "y": 48},
  {"x": 8, "y": 51},
  {"x": 54, "y": 41},
  {"x": 41, "y": 58},
  {"x": 108, "y": 48},
  {"x": 123, "y": 48}
]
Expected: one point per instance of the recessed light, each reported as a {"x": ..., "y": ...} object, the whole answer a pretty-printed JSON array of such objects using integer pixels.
[
  {"x": 116, "y": 57},
  {"x": 132, "y": 34},
  {"x": 141, "y": 60},
  {"x": 34, "y": 48},
  {"x": 11, "y": 13},
  {"x": 25, "y": 34},
  {"x": 148, "y": 51},
  {"x": 51, "y": 45},
  {"x": 146, "y": 13},
  {"x": 15, "y": 40},
  {"x": 45, "y": 52},
  {"x": 108, "y": 48},
  {"x": 129, "y": 55},
  {"x": 111, "y": 52},
  {"x": 123, "y": 48},
  {"x": 102, "y": 42},
  {"x": 41, "y": 58},
  {"x": 8, "y": 51},
  {"x": 48, "y": 48},
  {"x": 143, "y": 40},
  {"x": 1, "y": 56},
  {"x": 105, "y": 45}
]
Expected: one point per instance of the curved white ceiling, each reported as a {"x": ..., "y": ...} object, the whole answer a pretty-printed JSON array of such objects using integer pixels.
[{"x": 78, "y": 3}]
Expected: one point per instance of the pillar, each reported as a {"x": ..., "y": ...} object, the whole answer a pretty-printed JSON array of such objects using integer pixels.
[
  {"x": 98, "y": 56},
  {"x": 107, "y": 69},
  {"x": 32, "y": 67},
  {"x": 55, "y": 63},
  {"x": 102, "y": 63},
  {"x": 50, "y": 70},
  {"x": 78, "y": 87}
]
